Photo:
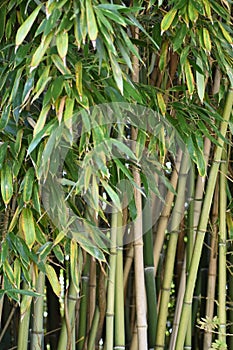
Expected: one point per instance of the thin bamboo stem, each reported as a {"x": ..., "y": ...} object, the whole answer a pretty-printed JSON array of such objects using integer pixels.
[
  {"x": 139, "y": 267},
  {"x": 150, "y": 279},
  {"x": 83, "y": 305},
  {"x": 93, "y": 330},
  {"x": 171, "y": 253},
  {"x": 25, "y": 313},
  {"x": 203, "y": 224},
  {"x": 222, "y": 281},
  {"x": 111, "y": 286},
  {"x": 119, "y": 293},
  {"x": 196, "y": 212},
  {"x": 212, "y": 270},
  {"x": 37, "y": 329},
  {"x": 162, "y": 225},
  {"x": 68, "y": 322}
]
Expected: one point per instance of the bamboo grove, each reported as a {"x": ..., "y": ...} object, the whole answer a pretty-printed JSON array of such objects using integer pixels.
[{"x": 149, "y": 262}]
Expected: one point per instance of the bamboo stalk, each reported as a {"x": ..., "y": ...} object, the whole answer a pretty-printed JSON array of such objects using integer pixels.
[
  {"x": 171, "y": 253},
  {"x": 212, "y": 270},
  {"x": 162, "y": 224},
  {"x": 222, "y": 281},
  {"x": 119, "y": 293},
  {"x": 68, "y": 322},
  {"x": 197, "y": 203},
  {"x": 37, "y": 338},
  {"x": 150, "y": 279},
  {"x": 203, "y": 224},
  {"x": 111, "y": 286},
  {"x": 139, "y": 266},
  {"x": 93, "y": 330},
  {"x": 25, "y": 313},
  {"x": 83, "y": 305}
]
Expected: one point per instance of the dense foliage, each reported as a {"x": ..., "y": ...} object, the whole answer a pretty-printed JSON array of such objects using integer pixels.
[{"x": 89, "y": 92}]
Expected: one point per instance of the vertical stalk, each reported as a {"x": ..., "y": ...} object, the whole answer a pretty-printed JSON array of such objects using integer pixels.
[
  {"x": 37, "y": 328},
  {"x": 93, "y": 330},
  {"x": 111, "y": 286},
  {"x": 25, "y": 313},
  {"x": 83, "y": 305},
  {"x": 150, "y": 279},
  {"x": 139, "y": 265},
  {"x": 119, "y": 293},
  {"x": 171, "y": 253},
  {"x": 212, "y": 270},
  {"x": 68, "y": 323},
  {"x": 222, "y": 250},
  {"x": 203, "y": 224},
  {"x": 162, "y": 225}
]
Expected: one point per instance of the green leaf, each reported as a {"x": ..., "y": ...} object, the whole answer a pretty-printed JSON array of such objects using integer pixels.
[
  {"x": 62, "y": 39},
  {"x": 200, "y": 80},
  {"x": 27, "y": 226},
  {"x": 28, "y": 185},
  {"x": 24, "y": 29},
  {"x": 6, "y": 183},
  {"x": 112, "y": 194},
  {"x": 52, "y": 277},
  {"x": 40, "y": 51},
  {"x": 91, "y": 21},
  {"x": 117, "y": 72},
  {"x": 189, "y": 77},
  {"x": 74, "y": 263},
  {"x": 167, "y": 20}
]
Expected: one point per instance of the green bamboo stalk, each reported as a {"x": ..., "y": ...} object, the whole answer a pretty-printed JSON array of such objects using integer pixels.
[
  {"x": 37, "y": 337},
  {"x": 111, "y": 285},
  {"x": 171, "y": 253},
  {"x": 69, "y": 317},
  {"x": 119, "y": 292},
  {"x": 83, "y": 304},
  {"x": 93, "y": 329},
  {"x": 195, "y": 208},
  {"x": 25, "y": 313},
  {"x": 139, "y": 267},
  {"x": 150, "y": 279},
  {"x": 92, "y": 293},
  {"x": 222, "y": 249},
  {"x": 190, "y": 245},
  {"x": 162, "y": 224},
  {"x": 186, "y": 310},
  {"x": 212, "y": 270}
]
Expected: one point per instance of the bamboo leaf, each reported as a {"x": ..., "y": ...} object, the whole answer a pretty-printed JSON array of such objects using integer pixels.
[
  {"x": 6, "y": 183},
  {"x": 78, "y": 78},
  {"x": 91, "y": 21},
  {"x": 189, "y": 77},
  {"x": 112, "y": 194},
  {"x": 167, "y": 20},
  {"x": 200, "y": 80},
  {"x": 117, "y": 72},
  {"x": 24, "y": 29},
  {"x": 207, "y": 40},
  {"x": 53, "y": 279},
  {"x": 40, "y": 51},
  {"x": 27, "y": 226},
  {"x": 161, "y": 103},
  {"x": 62, "y": 39},
  {"x": 28, "y": 185},
  {"x": 74, "y": 264}
]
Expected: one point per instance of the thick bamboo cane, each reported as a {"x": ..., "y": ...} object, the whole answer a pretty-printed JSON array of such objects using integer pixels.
[{"x": 38, "y": 329}]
